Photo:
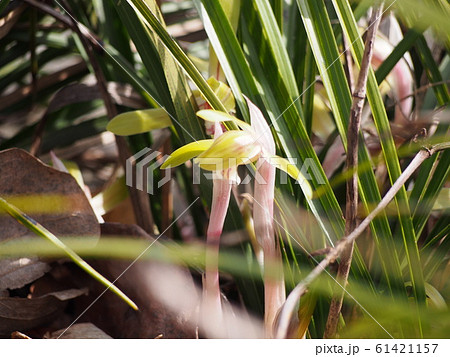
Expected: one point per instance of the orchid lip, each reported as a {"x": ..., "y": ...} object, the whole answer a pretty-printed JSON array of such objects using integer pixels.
[{"x": 231, "y": 149}]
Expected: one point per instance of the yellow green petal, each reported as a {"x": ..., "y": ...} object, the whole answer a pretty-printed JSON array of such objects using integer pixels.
[
  {"x": 294, "y": 172},
  {"x": 223, "y": 92},
  {"x": 218, "y": 116},
  {"x": 139, "y": 121},
  {"x": 187, "y": 152}
]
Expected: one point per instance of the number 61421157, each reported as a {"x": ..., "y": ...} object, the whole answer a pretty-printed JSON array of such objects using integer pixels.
[{"x": 406, "y": 348}]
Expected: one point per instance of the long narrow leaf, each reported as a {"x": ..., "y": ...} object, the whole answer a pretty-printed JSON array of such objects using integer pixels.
[{"x": 41, "y": 231}]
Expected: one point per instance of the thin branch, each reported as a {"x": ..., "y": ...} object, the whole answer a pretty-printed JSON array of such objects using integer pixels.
[
  {"x": 42, "y": 83},
  {"x": 292, "y": 300},
  {"x": 33, "y": 55},
  {"x": 419, "y": 90},
  {"x": 66, "y": 21},
  {"x": 348, "y": 68},
  {"x": 351, "y": 210}
]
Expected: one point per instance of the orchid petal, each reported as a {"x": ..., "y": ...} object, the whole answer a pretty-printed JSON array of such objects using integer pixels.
[
  {"x": 261, "y": 128},
  {"x": 187, "y": 152},
  {"x": 218, "y": 131},
  {"x": 292, "y": 170},
  {"x": 218, "y": 116},
  {"x": 139, "y": 121}
]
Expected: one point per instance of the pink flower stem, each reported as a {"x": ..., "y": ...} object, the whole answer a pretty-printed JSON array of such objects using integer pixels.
[
  {"x": 212, "y": 306},
  {"x": 274, "y": 289},
  {"x": 219, "y": 207}
]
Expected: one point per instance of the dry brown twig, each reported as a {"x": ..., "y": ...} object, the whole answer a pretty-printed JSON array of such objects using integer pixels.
[{"x": 359, "y": 96}]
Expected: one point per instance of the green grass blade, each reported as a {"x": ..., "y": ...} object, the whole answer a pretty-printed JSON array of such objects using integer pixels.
[
  {"x": 112, "y": 30},
  {"x": 41, "y": 231},
  {"x": 308, "y": 93},
  {"x": 296, "y": 44},
  {"x": 278, "y": 8},
  {"x": 430, "y": 100},
  {"x": 279, "y": 52},
  {"x": 432, "y": 71},
  {"x": 143, "y": 41},
  {"x": 432, "y": 175},
  {"x": 426, "y": 194},
  {"x": 437, "y": 247},
  {"x": 396, "y": 55}
]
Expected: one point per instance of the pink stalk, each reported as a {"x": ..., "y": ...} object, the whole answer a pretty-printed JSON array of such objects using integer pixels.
[
  {"x": 274, "y": 290},
  {"x": 219, "y": 207}
]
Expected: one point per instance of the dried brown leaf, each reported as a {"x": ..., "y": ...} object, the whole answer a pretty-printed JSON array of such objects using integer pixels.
[
  {"x": 50, "y": 197},
  {"x": 22, "y": 314},
  {"x": 15, "y": 273}
]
